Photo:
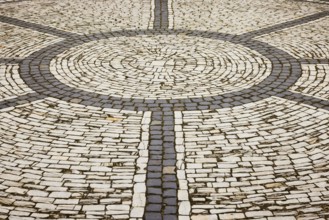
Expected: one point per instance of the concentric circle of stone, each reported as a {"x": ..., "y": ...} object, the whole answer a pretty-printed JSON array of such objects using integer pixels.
[
  {"x": 160, "y": 70},
  {"x": 160, "y": 66}
]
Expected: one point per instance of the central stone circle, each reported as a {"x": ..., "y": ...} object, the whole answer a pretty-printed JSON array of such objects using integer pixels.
[
  {"x": 160, "y": 67},
  {"x": 148, "y": 70}
]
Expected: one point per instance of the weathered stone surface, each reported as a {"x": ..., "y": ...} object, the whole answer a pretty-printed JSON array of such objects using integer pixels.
[{"x": 162, "y": 109}]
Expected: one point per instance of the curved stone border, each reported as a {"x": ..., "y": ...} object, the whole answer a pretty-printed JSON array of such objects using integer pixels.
[{"x": 35, "y": 72}]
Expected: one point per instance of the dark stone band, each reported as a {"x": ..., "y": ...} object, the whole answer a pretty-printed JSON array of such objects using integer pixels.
[
  {"x": 315, "y": 61},
  {"x": 285, "y": 72},
  {"x": 20, "y": 100},
  {"x": 37, "y": 27},
  {"x": 284, "y": 25},
  {"x": 160, "y": 14},
  {"x": 161, "y": 183},
  {"x": 35, "y": 72},
  {"x": 15, "y": 1},
  {"x": 304, "y": 99}
]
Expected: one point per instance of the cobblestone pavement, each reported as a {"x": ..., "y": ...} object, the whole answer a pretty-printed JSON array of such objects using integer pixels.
[{"x": 164, "y": 109}]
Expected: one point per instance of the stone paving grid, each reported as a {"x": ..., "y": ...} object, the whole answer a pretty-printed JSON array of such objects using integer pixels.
[{"x": 257, "y": 152}]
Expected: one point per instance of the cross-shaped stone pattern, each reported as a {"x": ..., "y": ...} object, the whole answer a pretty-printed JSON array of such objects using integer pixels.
[{"x": 164, "y": 109}]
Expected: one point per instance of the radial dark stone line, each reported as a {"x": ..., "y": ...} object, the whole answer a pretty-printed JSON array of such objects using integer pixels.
[
  {"x": 160, "y": 14},
  {"x": 324, "y": 2},
  {"x": 157, "y": 14},
  {"x": 284, "y": 25},
  {"x": 314, "y": 61},
  {"x": 304, "y": 99},
  {"x": 20, "y": 100},
  {"x": 161, "y": 183},
  {"x": 10, "y": 2},
  {"x": 41, "y": 80},
  {"x": 164, "y": 14},
  {"x": 37, "y": 27},
  {"x": 10, "y": 60}
]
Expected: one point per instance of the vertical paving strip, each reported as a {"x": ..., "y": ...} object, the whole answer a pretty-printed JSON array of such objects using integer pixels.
[
  {"x": 160, "y": 14},
  {"x": 161, "y": 195}
]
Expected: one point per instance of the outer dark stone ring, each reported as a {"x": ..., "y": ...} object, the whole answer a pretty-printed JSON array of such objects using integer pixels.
[{"x": 35, "y": 71}]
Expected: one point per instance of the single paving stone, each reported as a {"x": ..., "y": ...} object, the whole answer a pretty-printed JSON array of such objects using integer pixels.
[
  {"x": 60, "y": 194},
  {"x": 259, "y": 214},
  {"x": 170, "y": 193},
  {"x": 94, "y": 207},
  {"x": 153, "y": 182},
  {"x": 154, "y": 207},
  {"x": 154, "y": 199},
  {"x": 169, "y": 217},
  {"x": 153, "y": 215},
  {"x": 170, "y": 210}
]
